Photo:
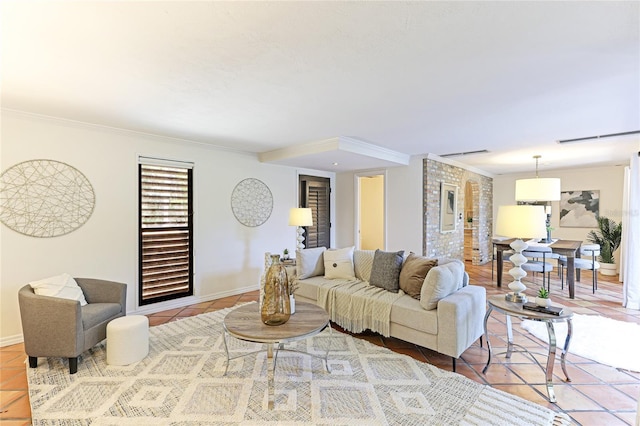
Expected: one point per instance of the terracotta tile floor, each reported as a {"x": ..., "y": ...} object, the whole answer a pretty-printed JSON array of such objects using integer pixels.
[{"x": 597, "y": 394}]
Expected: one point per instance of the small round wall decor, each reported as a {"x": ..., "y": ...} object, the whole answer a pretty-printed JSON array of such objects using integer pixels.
[
  {"x": 251, "y": 202},
  {"x": 45, "y": 198}
]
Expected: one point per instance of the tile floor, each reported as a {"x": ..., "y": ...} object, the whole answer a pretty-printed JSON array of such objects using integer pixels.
[{"x": 597, "y": 394}]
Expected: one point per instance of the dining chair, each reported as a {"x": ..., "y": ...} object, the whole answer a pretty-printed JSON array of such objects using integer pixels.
[
  {"x": 538, "y": 261},
  {"x": 589, "y": 263}
]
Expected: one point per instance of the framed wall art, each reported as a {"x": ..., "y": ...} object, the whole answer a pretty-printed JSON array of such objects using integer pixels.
[
  {"x": 251, "y": 202},
  {"x": 448, "y": 207},
  {"x": 45, "y": 198},
  {"x": 579, "y": 209}
]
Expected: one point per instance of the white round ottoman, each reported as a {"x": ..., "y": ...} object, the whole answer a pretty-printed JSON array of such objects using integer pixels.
[{"x": 127, "y": 339}]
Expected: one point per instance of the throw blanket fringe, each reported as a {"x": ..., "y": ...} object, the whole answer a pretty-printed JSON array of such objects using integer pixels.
[{"x": 357, "y": 306}]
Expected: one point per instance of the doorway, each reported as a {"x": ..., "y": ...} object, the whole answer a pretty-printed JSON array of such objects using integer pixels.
[
  {"x": 471, "y": 217},
  {"x": 370, "y": 211}
]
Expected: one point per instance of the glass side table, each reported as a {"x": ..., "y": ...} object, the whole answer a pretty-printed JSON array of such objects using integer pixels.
[{"x": 509, "y": 309}]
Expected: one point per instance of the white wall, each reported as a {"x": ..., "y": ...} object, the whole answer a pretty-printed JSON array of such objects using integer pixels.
[
  {"x": 608, "y": 180},
  {"x": 228, "y": 256},
  {"x": 403, "y": 186}
]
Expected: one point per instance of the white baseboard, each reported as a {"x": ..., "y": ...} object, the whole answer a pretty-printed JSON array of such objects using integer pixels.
[{"x": 156, "y": 307}]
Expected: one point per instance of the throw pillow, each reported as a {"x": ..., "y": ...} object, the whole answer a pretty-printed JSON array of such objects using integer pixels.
[
  {"x": 62, "y": 286},
  {"x": 413, "y": 273},
  {"x": 362, "y": 263},
  {"x": 440, "y": 282},
  {"x": 385, "y": 270},
  {"x": 310, "y": 262},
  {"x": 338, "y": 263}
]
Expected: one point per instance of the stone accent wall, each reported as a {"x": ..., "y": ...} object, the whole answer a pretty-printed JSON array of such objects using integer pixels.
[{"x": 451, "y": 244}]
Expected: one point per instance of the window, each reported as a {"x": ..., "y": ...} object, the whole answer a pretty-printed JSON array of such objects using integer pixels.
[
  {"x": 315, "y": 194},
  {"x": 166, "y": 231}
]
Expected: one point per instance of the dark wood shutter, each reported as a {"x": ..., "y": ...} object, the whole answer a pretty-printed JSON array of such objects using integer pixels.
[
  {"x": 315, "y": 194},
  {"x": 166, "y": 233}
]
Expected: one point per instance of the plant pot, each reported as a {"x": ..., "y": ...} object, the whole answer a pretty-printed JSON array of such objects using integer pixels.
[
  {"x": 545, "y": 303},
  {"x": 608, "y": 269}
]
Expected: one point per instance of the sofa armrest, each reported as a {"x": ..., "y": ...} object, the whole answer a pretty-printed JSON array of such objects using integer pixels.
[
  {"x": 103, "y": 291},
  {"x": 51, "y": 326},
  {"x": 460, "y": 319}
]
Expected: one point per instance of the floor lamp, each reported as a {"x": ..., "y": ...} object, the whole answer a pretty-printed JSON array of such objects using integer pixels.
[
  {"x": 300, "y": 217},
  {"x": 522, "y": 221}
]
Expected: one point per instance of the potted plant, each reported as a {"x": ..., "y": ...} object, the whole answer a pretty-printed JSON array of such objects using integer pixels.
[
  {"x": 608, "y": 237},
  {"x": 542, "y": 299},
  {"x": 285, "y": 254}
]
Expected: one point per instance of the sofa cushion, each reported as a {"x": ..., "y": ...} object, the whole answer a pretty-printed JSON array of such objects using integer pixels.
[
  {"x": 407, "y": 311},
  {"x": 62, "y": 286},
  {"x": 385, "y": 270},
  {"x": 310, "y": 262},
  {"x": 338, "y": 263},
  {"x": 362, "y": 262},
  {"x": 413, "y": 273},
  {"x": 440, "y": 282}
]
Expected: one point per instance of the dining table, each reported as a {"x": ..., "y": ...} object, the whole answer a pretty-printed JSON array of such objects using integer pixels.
[{"x": 568, "y": 248}]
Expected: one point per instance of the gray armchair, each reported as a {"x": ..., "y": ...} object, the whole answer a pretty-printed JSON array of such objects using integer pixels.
[{"x": 55, "y": 327}]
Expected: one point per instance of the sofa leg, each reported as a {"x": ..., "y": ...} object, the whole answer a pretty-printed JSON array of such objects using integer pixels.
[
  {"x": 454, "y": 364},
  {"x": 73, "y": 365},
  {"x": 481, "y": 341},
  {"x": 33, "y": 361}
]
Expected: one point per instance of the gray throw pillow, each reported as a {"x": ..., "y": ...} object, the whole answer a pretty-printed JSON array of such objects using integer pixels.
[{"x": 385, "y": 270}]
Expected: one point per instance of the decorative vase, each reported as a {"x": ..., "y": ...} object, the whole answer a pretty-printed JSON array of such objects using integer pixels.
[
  {"x": 545, "y": 303},
  {"x": 275, "y": 309},
  {"x": 292, "y": 304}
]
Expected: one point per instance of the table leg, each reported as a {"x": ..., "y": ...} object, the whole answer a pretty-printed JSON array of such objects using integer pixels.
[
  {"x": 566, "y": 349},
  {"x": 551, "y": 357},
  {"x": 509, "y": 336},
  {"x": 499, "y": 266},
  {"x": 270, "y": 374},
  {"x": 226, "y": 349},
  {"x": 571, "y": 274},
  {"x": 486, "y": 337}
]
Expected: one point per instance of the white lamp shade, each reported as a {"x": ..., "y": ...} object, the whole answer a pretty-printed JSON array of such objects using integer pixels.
[
  {"x": 300, "y": 217},
  {"x": 538, "y": 189},
  {"x": 521, "y": 222}
]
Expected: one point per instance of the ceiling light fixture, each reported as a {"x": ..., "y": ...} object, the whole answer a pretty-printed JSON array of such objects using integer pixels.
[{"x": 538, "y": 189}]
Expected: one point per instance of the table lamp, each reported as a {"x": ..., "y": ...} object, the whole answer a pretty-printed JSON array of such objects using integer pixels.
[
  {"x": 523, "y": 221},
  {"x": 300, "y": 217}
]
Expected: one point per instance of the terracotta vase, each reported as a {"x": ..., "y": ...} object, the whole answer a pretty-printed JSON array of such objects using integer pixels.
[{"x": 276, "y": 309}]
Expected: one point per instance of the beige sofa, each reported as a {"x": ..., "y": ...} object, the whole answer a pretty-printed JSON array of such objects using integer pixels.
[{"x": 450, "y": 328}]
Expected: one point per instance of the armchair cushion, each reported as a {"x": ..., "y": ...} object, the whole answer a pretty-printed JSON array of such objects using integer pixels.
[
  {"x": 63, "y": 286},
  {"x": 95, "y": 313}
]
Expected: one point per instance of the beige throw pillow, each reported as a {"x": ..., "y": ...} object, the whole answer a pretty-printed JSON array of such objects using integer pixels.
[
  {"x": 310, "y": 262},
  {"x": 413, "y": 273},
  {"x": 440, "y": 282},
  {"x": 338, "y": 263}
]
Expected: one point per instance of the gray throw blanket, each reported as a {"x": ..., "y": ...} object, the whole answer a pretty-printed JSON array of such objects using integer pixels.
[{"x": 357, "y": 306}]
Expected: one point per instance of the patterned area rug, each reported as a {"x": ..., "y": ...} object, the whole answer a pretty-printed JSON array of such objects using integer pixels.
[{"x": 181, "y": 382}]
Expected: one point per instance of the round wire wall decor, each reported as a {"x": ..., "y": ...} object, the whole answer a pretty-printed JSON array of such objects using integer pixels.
[
  {"x": 251, "y": 202},
  {"x": 45, "y": 198}
]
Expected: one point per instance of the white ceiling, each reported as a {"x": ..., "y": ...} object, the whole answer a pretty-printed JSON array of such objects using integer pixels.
[{"x": 409, "y": 77}]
